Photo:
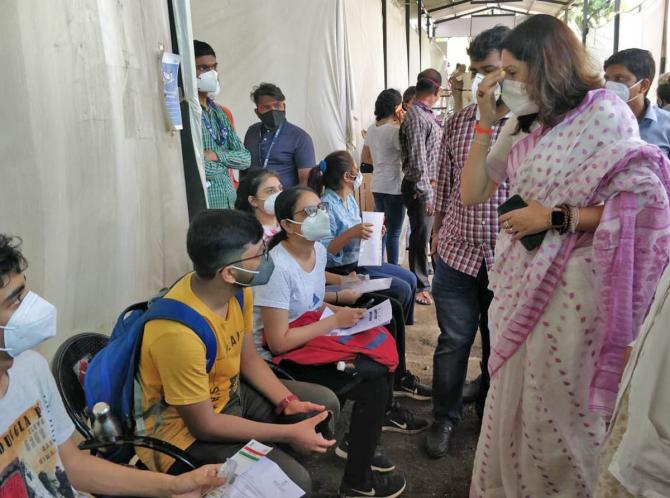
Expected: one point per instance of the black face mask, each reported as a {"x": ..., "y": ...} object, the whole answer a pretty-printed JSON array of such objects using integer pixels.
[{"x": 273, "y": 119}]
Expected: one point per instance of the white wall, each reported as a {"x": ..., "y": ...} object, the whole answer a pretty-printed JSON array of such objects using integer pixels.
[{"x": 91, "y": 179}]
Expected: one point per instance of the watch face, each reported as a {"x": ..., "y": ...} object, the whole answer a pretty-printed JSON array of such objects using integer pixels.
[{"x": 557, "y": 218}]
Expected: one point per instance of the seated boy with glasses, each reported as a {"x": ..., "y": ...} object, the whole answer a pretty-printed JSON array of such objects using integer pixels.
[{"x": 212, "y": 414}]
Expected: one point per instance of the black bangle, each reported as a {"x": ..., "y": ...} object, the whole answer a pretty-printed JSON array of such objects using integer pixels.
[{"x": 337, "y": 298}]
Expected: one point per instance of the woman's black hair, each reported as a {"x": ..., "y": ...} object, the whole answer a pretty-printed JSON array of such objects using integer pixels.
[
  {"x": 409, "y": 94},
  {"x": 386, "y": 103},
  {"x": 285, "y": 210},
  {"x": 330, "y": 172},
  {"x": 249, "y": 185}
]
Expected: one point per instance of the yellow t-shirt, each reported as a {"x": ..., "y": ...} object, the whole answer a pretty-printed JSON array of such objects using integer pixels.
[{"x": 173, "y": 370}]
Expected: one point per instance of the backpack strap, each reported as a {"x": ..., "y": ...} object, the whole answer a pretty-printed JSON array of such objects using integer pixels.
[
  {"x": 176, "y": 311},
  {"x": 240, "y": 299}
]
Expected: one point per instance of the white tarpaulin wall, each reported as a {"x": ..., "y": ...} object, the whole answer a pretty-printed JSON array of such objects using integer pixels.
[
  {"x": 396, "y": 46},
  {"x": 640, "y": 27},
  {"x": 326, "y": 56},
  {"x": 300, "y": 45},
  {"x": 91, "y": 179}
]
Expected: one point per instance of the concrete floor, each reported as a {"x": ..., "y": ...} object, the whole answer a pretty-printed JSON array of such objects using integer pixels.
[{"x": 448, "y": 477}]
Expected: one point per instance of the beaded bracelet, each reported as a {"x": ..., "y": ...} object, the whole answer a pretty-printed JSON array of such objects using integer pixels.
[{"x": 574, "y": 219}]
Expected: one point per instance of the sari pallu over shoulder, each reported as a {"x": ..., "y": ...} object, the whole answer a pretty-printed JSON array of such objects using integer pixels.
[{"x": 593, "y": 156}]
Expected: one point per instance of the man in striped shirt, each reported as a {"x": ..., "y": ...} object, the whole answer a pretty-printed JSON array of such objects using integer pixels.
[
  {"x": 463, "y": 245},
  {"x": 222, "y": 149}
]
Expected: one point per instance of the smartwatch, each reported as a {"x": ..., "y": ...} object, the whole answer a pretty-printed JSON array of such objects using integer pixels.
[{"x": 557, "y": 218}]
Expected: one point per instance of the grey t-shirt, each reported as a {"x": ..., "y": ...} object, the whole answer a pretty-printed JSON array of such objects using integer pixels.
[{"x": 290, "y": 288}]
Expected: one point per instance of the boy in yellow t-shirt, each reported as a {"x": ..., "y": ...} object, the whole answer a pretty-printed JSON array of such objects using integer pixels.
[{"x": 212, "y": 414}]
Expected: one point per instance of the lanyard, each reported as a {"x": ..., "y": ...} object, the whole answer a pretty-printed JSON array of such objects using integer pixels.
[
  {"x": 260, "y": 139},
  {"x": 221, "y": 135}
]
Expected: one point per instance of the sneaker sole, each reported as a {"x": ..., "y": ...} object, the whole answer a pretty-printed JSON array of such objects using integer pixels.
[
  {"x": 344, "y": 455},
  {"x": 390, "y": 428},
  {"x": 394, "y": 495},
  {"x": 408, "y": 394}
]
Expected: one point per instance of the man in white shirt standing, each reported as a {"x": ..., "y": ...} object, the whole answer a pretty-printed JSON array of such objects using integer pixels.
[{"x": 38, "y": 457}]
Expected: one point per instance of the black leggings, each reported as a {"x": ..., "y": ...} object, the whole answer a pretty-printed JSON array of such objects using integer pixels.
[{"x": 371, "y": 397}]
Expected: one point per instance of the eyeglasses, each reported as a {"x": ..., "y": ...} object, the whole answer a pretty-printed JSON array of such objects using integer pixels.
[
  {"x": 312, "y": 210},
  {"x": 265, "y": 254}
]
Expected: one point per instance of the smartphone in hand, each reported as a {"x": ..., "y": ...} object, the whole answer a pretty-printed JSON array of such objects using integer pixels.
[{"x": 530, "y": 242}]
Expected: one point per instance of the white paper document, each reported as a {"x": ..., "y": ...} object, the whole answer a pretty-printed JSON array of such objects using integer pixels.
[
  {"x": 363, "y": 285},
  {"x": 371, "y": 249},
  {"x": 374, "y": 317},
  {"x": 250, "y": 474},
  {"x": 264, "y": 479}
]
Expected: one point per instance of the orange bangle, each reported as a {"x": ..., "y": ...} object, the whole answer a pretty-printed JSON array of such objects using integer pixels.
[{"x": 481, "y": 129}]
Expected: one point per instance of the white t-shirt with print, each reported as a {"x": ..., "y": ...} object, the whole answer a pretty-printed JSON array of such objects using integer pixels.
[
  {"x": 33, "y": 423},
  {"x": 290, "y": 288}
]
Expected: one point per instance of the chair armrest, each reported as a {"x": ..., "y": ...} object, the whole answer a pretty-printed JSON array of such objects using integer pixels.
[
  {"x": 279, "y": 371},
  {"x": 141, "y": 442}
]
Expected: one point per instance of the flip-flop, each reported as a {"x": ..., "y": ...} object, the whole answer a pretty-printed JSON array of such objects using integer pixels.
[{"x": 424, "y": 299}]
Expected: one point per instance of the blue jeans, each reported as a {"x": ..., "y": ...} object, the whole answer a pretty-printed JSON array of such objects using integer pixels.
[
  {"x": 462, "y": 303},
  {"x": 403, "y": 286},
  {"x": 394, "y": 215}
]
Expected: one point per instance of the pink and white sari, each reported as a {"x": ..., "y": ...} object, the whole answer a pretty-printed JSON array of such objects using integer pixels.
[{"x": 562, "y": 315}]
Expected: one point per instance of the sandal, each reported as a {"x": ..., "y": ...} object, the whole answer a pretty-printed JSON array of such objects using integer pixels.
[{"x": 424, "y": 298}]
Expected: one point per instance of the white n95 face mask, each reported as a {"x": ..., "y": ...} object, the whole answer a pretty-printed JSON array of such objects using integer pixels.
[
  {"x": 358, "y": 181},
  {"x": 32, "y": 323},
  {"x": 315, "y": 227},
  {"x": 515, "y": 96},
  {"x": 209, "y": 82},
  {"x": 269, "y": 203}
]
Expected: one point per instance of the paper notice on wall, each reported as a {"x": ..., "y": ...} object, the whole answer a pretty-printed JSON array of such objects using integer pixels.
[
  {"x": 371, "y": 249},
  {"x": 169, "y": 73},
  {"x": 374, "y": 317}
]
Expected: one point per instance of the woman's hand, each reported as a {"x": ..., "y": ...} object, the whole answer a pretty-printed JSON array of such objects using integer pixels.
[
  {"x": 361, "y": 231},
  {"x": 348, "y": 317},
  {"x": 534, "y": 218},
  {"x": 347, "y": 296},
  {"x": 490, "y": 111}
]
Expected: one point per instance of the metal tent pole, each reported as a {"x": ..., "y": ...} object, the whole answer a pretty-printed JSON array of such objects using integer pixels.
[
  {"x": 386, "y": 75},
  {"x": 617, "y": 24},
  {"x": 585, "y": 21}
]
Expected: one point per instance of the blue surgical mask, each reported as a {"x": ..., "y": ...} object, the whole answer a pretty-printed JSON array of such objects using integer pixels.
[{"x": 622, "y": 90}]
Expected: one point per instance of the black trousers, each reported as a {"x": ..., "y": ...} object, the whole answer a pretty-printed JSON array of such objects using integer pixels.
[
  {"x": 371, "y": 397},
  {"x": 420, "y": 228}
]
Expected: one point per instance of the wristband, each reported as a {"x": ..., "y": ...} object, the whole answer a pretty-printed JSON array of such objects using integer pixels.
[
  {"x": 281, "y": 406},
  {"x": 481, "y": 129}
]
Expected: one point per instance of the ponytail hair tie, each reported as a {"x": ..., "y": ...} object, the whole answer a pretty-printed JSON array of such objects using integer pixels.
[{"x": 323, "y": 166}]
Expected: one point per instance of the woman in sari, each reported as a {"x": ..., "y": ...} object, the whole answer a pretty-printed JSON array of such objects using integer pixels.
[{"x": 562, "y": 312}]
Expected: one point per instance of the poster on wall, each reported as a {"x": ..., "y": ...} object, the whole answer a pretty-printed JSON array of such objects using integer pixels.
[{"x": 169, "y": 72}]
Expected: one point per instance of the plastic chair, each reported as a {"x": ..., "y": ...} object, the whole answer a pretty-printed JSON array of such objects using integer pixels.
[{"x": 73, "y": 350}]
